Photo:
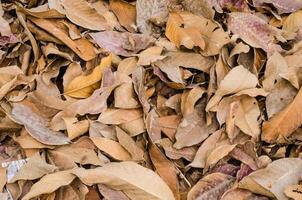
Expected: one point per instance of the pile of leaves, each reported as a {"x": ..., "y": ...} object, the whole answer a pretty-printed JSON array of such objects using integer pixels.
[{"x": 150, "y": 99}]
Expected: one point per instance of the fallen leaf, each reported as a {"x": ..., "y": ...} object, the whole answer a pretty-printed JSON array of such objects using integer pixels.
[
  {"x": 82, "y": 47},
  {"x": 35, "y": 168},
  {"x": 49, "y": 184},
  {"x": 112, "y": 148},
  {"x": 111, "y": 194},
  {"x": 236, "y": 80},
  {"x": 165, "y": 169},
  {"x": 125, "y": 44},
  {"x": 205, "y": 148},
  {"x": 293, "y": 191},
  {"x": 211, "y": 186},
  {"x": 187, "y": 37},
  {"x": 125, "y": 179},
  {"x": 83, "y": 86},
  {"x": 281, "y": 6},
  {"x": 272, "y": 180},
  {"x": 277, "y": 127},
  {"x": 27, "y": 114},
  {"x": 125, "y": 12},
  {"x": 82, "y": 14},
  {"x": 253, "y": 30},
  {"x": 129, "y": 144},
  {"x": 119, "y": 116}
]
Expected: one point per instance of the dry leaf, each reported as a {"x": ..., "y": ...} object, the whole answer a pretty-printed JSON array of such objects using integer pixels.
[
  {"x": 236, "y": 80},
  {"x": 282, "y": 7},
  {"x": 211, "y": 186},
  {"x": 125, "y": 44},
  {"x": 129, "y": 144},
  {"x": 165, "y": 169},
  {"x": 284, "y": 123},
  {"x": 272, "y": 180},
  {"x": 82, "y": 47},
  {"x": 253, "y": 30},
  {"x": 49, "y": 184},
  {"x": 293, "y": 192},
  {"x": 187, "y": 37},
  {"x": 112, "y": 148},
  {"x": 125, "y": 12},
  {"x": 83, "y": 86},
  {"x": 124, "y": 176},
  {"x": 82, "y": 14},
  {"x": 27, "y": 114},
  {"x": 35, "y": 168}
]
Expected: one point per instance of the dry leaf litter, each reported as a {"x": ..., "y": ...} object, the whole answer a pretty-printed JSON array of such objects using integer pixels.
[{"x": 150, "y": 99}]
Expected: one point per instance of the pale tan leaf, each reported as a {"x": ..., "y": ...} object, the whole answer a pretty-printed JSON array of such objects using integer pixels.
[
  {"x": 82, "y": 14},
  {"x": 236, "y": 80},
  {"x": 129, "y": 144},
  {"x": 205, "y": 149},
  {"x": 27, "y": 114},
  {"x": 49, "y": 184},
  {"x": 124, "y": 176},
  {"x": 35, "y": 168},
  {"x": 272, "y": 180},
  {"x": 119, "y": 116},
  {"x": 112, "y": 148},
  {"x": 75, "y": 128},
  {"x": 150, "y": 55}
]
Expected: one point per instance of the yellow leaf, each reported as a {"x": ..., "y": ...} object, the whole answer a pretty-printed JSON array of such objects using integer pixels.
[{"x": 83, "y": 86}]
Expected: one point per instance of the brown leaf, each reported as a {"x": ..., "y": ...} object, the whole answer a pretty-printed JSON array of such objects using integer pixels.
[
  {"x": 129, "y": 144},
  {"x": 125, "y": 12},
  {"x": 124, "y": 176},
  {"x": 82, "y": 14},
  {"x": 111, "y": 194},
  {"x": 35, "y": 168},
  {"x": 165, "y": 169},
  {"x": 27, "y": 114},
  {"x": 112, "y": 148},
  {"x": 82, "y": 47},
  {"x": 49, "y": 184},
  {"x": 125, "y": 44},
  {"x": 278, "y": 127},
  {"x": 211, "y": 186}
]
